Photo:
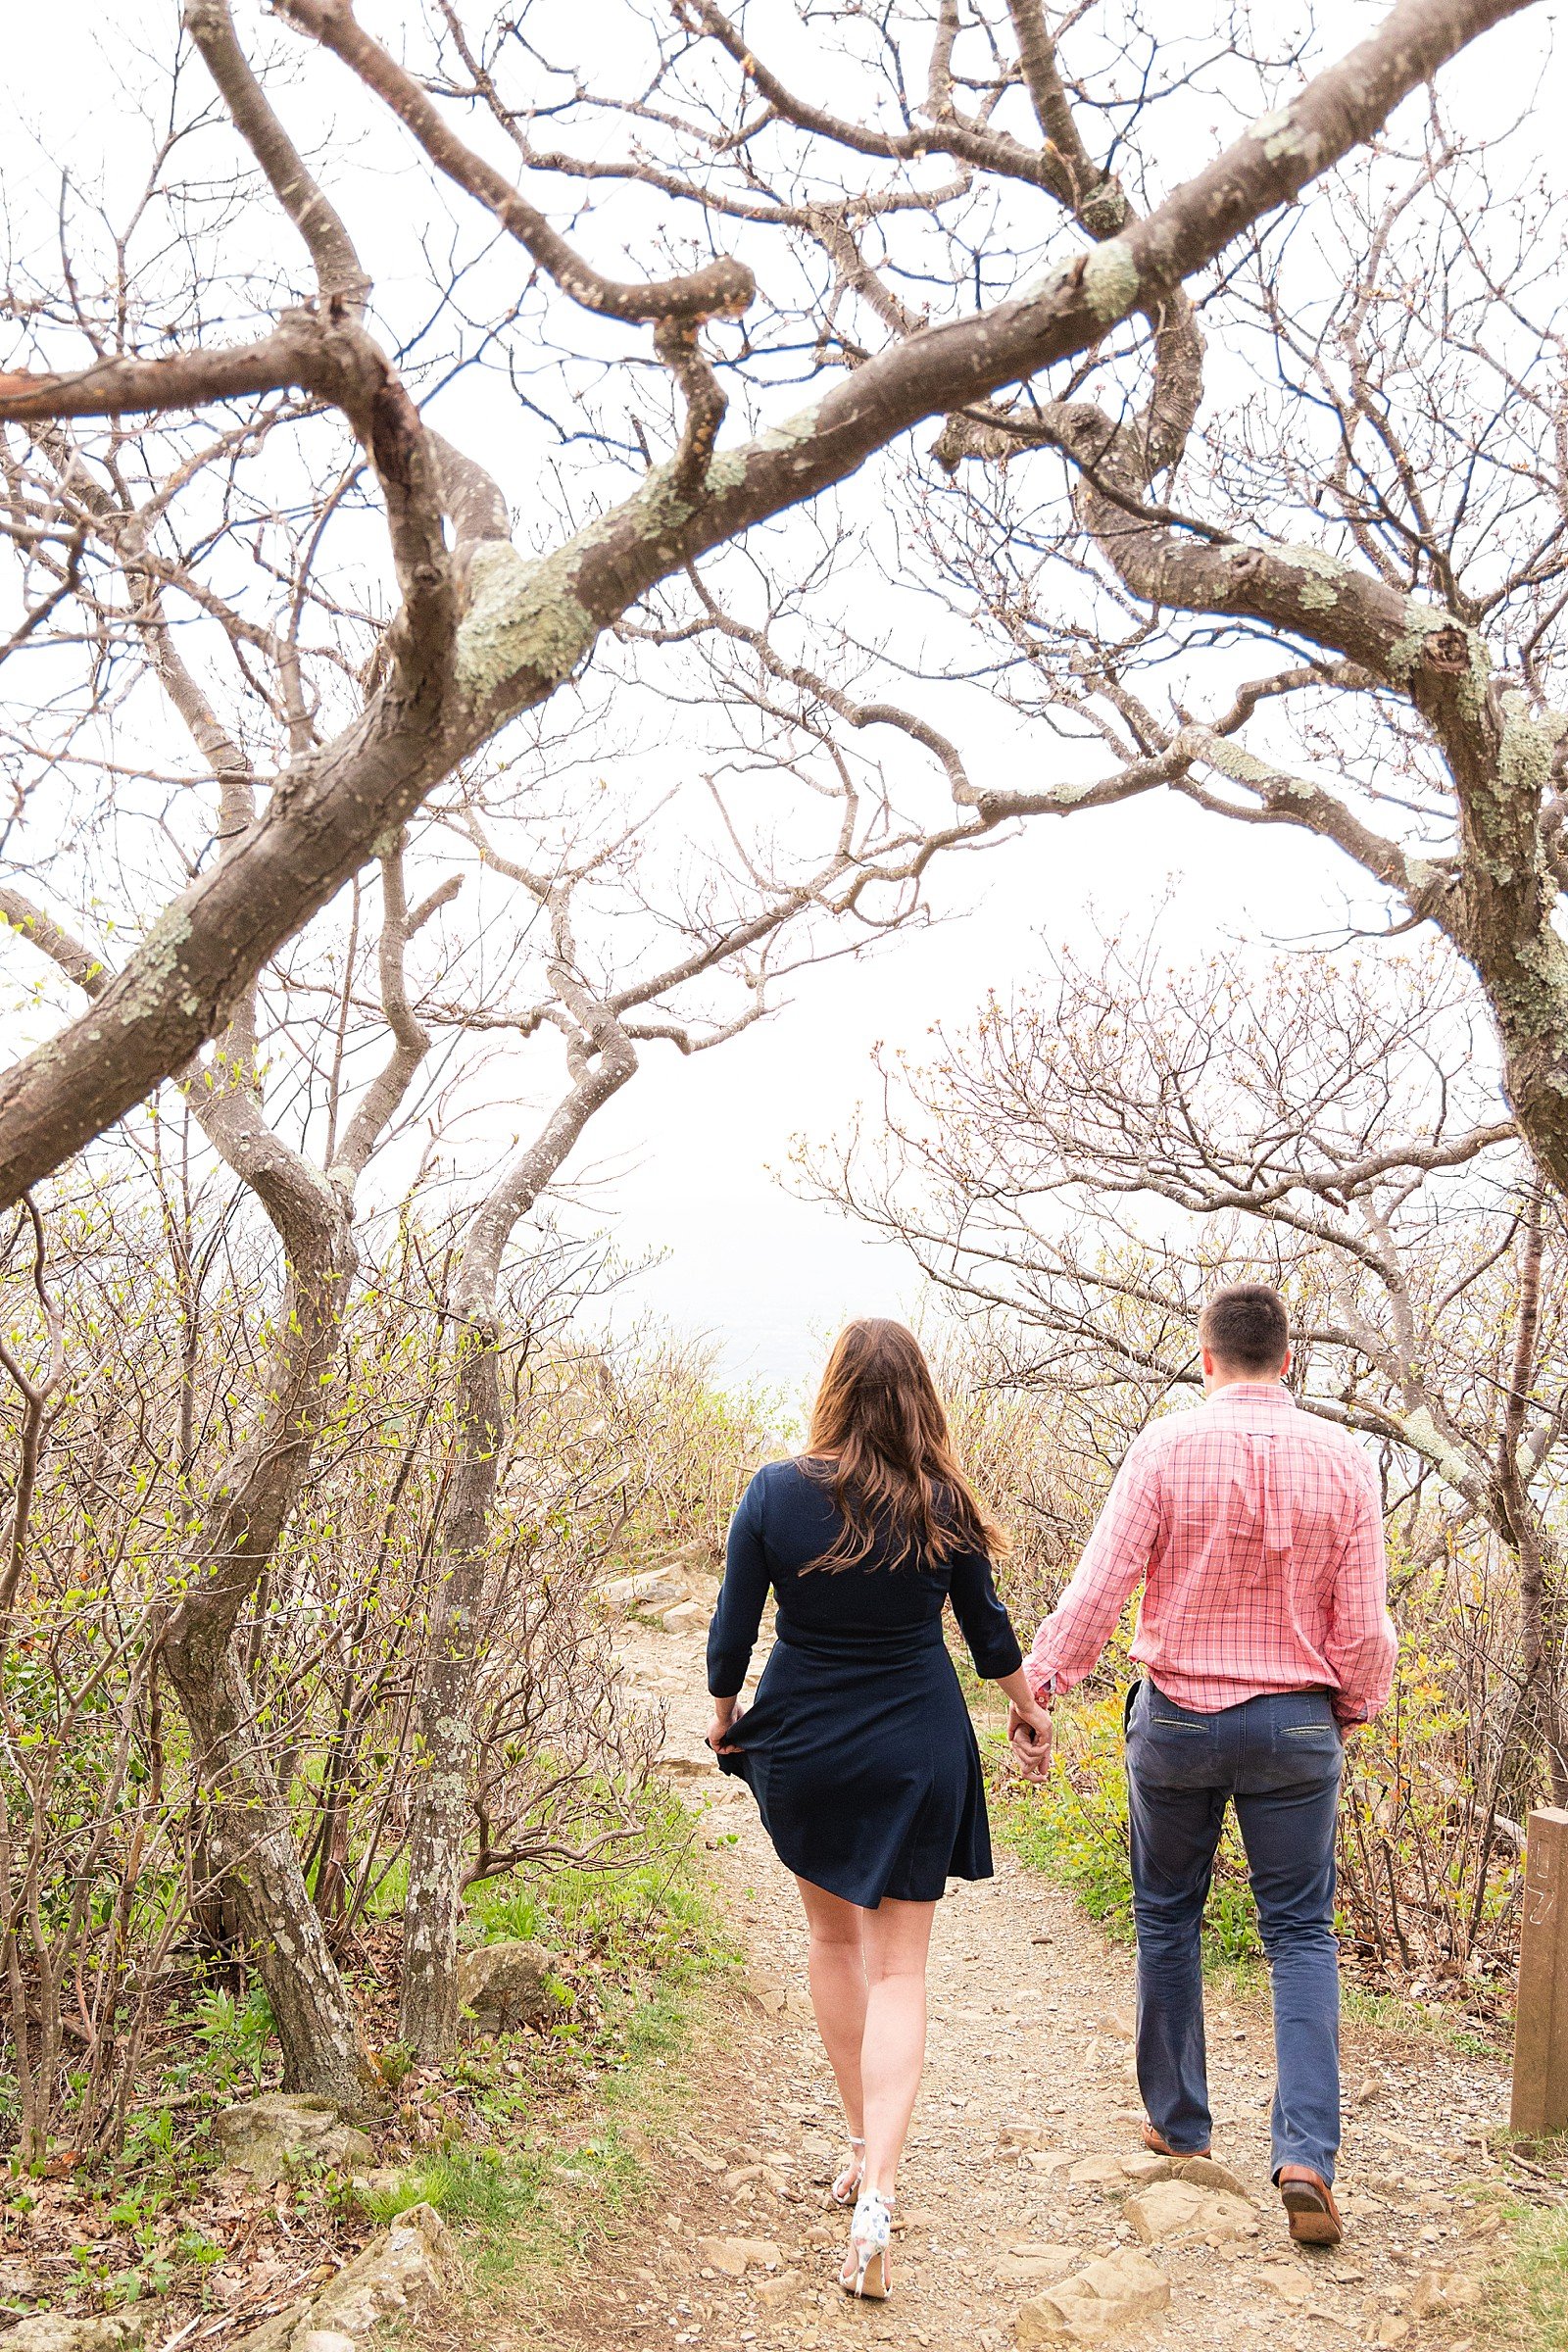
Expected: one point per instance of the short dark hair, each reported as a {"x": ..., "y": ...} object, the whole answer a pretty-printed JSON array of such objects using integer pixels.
[{"x": 1245, "y": 1327}]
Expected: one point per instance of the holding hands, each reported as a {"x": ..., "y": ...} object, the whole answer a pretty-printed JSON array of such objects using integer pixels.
[
  {"x": 1028, "y": 1728},
  {"x": 1029, "y": 1735}
]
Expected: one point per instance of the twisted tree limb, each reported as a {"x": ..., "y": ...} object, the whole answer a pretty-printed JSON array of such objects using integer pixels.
[{"x": 459, "y": 674}]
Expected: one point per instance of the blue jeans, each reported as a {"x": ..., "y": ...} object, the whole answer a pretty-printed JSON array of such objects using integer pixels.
[{"x": 1278, "y": 1759}]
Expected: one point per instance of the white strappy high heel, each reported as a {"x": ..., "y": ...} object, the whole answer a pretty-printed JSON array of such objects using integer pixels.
[
  {"x": 847, "y": 2186},
  {"x": 866, "y": 2266}
]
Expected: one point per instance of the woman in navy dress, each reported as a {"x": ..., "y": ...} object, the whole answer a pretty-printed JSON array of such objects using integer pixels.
[{"x": 858, "y": 1746}]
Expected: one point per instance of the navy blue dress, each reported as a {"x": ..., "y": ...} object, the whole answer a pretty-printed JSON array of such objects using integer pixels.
[{"x": 857, "y": 1746}]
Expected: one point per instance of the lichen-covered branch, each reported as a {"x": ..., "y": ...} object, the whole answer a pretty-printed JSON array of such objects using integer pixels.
[{"x": 458, "y": 673}]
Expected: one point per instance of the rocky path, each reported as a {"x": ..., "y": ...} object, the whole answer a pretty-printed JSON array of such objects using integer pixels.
[{"x": 1025, "y": 2213}]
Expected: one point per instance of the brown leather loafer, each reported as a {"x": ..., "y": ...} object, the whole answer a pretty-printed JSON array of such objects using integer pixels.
[
  {"x": 1158, "y": 2147},
  {"x": 1308, "y": 2201}
]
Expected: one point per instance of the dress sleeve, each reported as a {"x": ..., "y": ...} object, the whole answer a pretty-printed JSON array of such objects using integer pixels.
[
  {"x": 982, "y": 1620},
  {"x": 742, "y": 1597}
]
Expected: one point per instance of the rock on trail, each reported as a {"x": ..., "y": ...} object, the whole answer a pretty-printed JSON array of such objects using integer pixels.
[
  {"x": 408, "y": 2265},
  {"x": 1176, "y": 2210},
  {"x": 1100, "y": 2303}
]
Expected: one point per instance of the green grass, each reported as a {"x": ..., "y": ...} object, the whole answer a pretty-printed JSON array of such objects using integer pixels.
[
  {"x": 651, "y": 1910},
  {"x": 561, "y": 2124},
  {"x": 530, "y": 2206},
  {"x": 1526, "y": 2304},
  {"x": 545, "y": 2138},
  {"x": 1392, "y": 2013}
]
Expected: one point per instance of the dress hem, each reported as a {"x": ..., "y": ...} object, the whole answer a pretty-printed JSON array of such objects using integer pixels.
[{"x": 971, "y": 1878}]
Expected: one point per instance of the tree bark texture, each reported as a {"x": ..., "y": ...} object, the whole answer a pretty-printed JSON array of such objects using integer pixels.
[{"x": 250, "y": 1830}]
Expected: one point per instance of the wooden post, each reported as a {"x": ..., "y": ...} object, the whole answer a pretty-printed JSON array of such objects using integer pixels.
[{"x": 1539, "y": 2105}]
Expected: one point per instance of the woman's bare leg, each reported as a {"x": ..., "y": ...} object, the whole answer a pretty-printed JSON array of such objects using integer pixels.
[
  {"x": 897, "y": 1938},
  {"x": 839, "y": 1989}
]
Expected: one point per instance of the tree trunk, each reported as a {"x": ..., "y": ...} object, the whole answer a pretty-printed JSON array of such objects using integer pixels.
[
  {"x": 601, "y": 1057},
  {"x": 1540, "y": 1610},
  {"x": 250, "y": 1838},
  {"x": 249, "y": 1827},
  {"x": 1541, "y": 1707},
  {"x": 434, "y": 1904},
  {"x": 250, "y": 1868}
]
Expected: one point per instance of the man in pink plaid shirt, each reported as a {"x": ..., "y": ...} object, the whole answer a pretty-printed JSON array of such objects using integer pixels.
[{"x": 1256, "y": 1532}]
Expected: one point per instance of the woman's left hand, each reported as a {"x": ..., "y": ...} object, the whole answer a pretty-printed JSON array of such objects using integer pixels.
[{"x": 721, "y": 1734}]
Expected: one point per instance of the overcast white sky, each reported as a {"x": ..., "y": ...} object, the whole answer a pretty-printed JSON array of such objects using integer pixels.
[
  {"x": 683, "y": 1160},
  {"x": 767, "y": 1275}
]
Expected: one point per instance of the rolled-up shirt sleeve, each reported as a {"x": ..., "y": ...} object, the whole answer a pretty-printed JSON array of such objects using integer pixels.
[
  {"x": 983, "y": 1621},
  {"x": 1362, "y": 1645},
  {"x": 742, "y": 1597},
  {"x": 1115, "y": 1559}
]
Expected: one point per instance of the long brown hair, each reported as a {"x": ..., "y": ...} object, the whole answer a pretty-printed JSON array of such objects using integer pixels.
[{"x": 879, "y": 1434}]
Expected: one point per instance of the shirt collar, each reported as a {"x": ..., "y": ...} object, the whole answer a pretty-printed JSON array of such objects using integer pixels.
[{"x": 1253, "y": 1392}]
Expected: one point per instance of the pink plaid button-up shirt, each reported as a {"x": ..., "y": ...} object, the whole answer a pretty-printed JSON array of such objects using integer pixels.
[{"x": 1256, "y": 1532}]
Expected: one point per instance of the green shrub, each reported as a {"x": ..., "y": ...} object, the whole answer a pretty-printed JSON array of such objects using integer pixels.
[
  {"x": 234, "y": 2034},
  {"x": 649, "y": 1914},
  {"x": 1075, "y": 1828}
]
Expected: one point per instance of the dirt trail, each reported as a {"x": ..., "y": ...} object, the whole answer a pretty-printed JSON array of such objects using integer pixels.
[{"x": 1030, "y": 2022}]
